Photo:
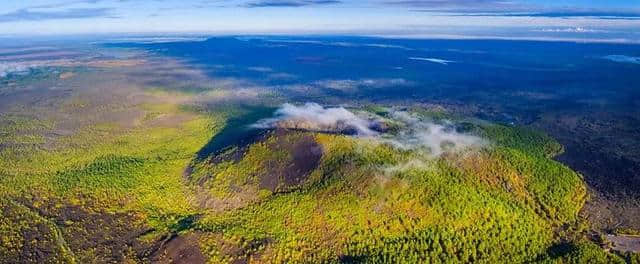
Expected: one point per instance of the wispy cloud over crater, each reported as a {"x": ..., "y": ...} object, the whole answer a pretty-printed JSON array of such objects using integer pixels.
[{"x": 411, "y": 132}]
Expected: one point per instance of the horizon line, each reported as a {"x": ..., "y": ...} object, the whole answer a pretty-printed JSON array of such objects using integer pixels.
[{"x": 211, "y": 34}]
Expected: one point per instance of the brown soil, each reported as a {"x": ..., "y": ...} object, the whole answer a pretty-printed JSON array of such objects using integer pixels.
[
  {"x": 40, "y": 242},
  {"x": 100, "y": 237},
  {"x": 180, "y": 249},
  {"x": 94, "y": 236},
  {"x": 607, "y": 214},
  {"x": 305, "y": 155},
  {"x": 241, "y": 197},
  {"x": 625, "y": 243},
  {"x": 244, "y": 252}
]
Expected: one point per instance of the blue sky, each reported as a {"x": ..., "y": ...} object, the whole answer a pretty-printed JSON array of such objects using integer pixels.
[{"x": 591, "y": 19}]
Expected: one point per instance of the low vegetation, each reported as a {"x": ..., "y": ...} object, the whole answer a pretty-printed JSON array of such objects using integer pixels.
[
  {"x": 123, "y": 178},
  {"x": 107, "y": 193},
  {"x": 367, "y": 202}
]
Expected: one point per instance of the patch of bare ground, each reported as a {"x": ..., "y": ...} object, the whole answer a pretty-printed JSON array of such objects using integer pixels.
[
  {"x": 240, "y": 197},
  {"x": 625, "y": 243},
  {"x": 608, "y": 214},
  {"x": 276, "y": 175},
  {"x": 36, "y": 239},
  {"x": 305, "y": 155},
  {"x": 180, "y": 249},
  {"x": 94, "y": 236},
  {"x": 239, "y": 251}
]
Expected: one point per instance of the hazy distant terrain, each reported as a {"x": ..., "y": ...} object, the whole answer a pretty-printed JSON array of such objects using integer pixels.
[{"x": 318, "y": 149}]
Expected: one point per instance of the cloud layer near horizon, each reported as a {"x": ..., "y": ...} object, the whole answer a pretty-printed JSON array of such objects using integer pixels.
[
  {"x": 426, "y": 18},
  {"x": 74, "y": 13},
  {"x": 289, "y": 3}
]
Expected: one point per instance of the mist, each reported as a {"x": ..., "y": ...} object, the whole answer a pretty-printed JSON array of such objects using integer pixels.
[
  {"x": 15, "y": 68},
  {"x": 314, "y": 117},
  {"x": 413, "y": 133},
  {"x": 438, "y": 138}
]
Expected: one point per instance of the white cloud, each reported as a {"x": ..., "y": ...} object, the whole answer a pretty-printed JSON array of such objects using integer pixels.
[
  {"x": 414, "y": 133},
  {"x": 436, "y": 138},
  {"x": 15, "y": 68},
  {"x": 571, "y": 30},
  {"x": 387, "y": 46},
  {"x": 434, "y": 60},
  {"x": 623, "y": 59},
  {"x": 314, "y": 117},
  {"x": 155, "y": 40},
  {"x": 260, "y": 69}
]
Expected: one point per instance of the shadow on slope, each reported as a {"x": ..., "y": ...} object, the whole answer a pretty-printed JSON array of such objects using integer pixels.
[{"x": 236, "y": 131}]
